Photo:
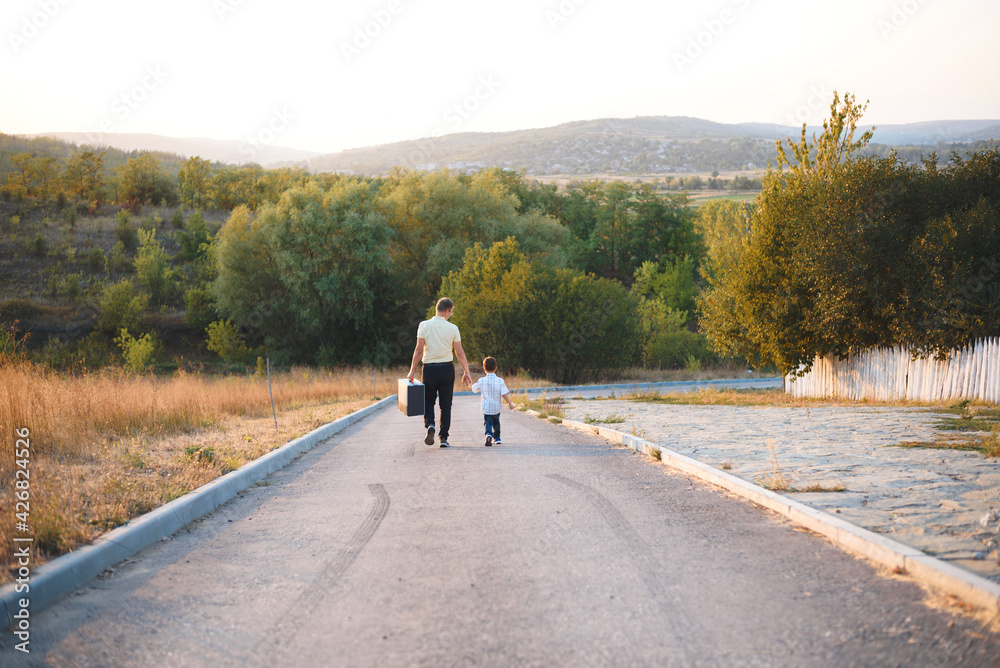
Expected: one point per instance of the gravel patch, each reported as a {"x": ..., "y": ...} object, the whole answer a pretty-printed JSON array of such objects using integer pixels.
[{"x": 943, "y": 502}]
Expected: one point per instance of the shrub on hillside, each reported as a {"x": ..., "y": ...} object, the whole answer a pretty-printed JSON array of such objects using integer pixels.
[
  {"x": 125, "y": 232},
  {"x": 121, "y": 307}
]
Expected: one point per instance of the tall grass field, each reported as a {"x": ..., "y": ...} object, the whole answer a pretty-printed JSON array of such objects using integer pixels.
[{"x": 108, "y": 446}]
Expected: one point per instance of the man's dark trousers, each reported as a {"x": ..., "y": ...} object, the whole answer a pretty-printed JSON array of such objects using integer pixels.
[{"x": 439, "y": 381}]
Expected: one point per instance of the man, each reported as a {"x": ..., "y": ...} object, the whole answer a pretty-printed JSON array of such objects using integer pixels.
[{"x": 436, "y": 338}]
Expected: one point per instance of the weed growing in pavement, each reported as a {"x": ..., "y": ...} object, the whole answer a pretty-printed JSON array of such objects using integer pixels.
[
  {"x": 819, "y": 487},
  {"x": 991, "y": 443},
  {"x": 774, "y": 481},
  {"x": 614, "y": 418},
  {"x": 657, "y": 454}
]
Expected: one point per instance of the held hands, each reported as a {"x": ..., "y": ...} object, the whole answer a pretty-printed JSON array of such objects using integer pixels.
[{"x": 467, "y": 379}]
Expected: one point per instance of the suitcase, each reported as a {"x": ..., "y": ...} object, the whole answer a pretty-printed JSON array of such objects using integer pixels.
[{"x": 411, "y": 397}]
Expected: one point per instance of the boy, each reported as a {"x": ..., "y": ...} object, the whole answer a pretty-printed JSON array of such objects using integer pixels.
[{"x": 494, "y": 391}]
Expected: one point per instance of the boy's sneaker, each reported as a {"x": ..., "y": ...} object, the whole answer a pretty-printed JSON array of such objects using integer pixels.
[
  {"x": 429, "y": 439},
  {"x": 489, "y": 440},
  {"x": 498, "y": 442}
]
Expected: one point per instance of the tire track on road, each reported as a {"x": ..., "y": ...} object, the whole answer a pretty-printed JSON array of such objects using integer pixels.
[
  {"x": 681, "y": 628},
  {"x": 276, "y": 640}
]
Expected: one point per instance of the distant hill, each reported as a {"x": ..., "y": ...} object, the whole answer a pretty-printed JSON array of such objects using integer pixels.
[
  {"x": 214, "y": 150},
  {"x": 932, "y": 132},
  {"x": 643, "y": 145}
]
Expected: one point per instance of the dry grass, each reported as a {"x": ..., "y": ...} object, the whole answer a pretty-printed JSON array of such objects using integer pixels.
[
  {"x": 545, "y": 406},
  {"x": 775, "y": 480},
  {"x": 711, "y": 396},
  {"x": 107, "y": 447}
]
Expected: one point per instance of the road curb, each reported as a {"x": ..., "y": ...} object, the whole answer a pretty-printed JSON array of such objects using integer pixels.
[
  {"x": 900, "y": 558},
  {"x": 634, "y": 387},
  {"x": 64, "y": 574}
]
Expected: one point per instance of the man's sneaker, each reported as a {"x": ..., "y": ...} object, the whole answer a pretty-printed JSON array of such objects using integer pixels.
[
  {"x": 444, "y": 444},
  {"x": 498, "y": 442},
  {"x": 429, "y": 439},
  {"x": 489, "y": 440}
]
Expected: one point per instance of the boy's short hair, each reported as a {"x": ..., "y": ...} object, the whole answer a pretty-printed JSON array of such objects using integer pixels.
[
  {"x": 444, "y": 304},
  {"x": 489, "y": 365}
]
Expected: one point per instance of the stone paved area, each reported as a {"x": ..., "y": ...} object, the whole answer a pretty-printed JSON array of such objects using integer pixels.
[{"x": 944, "y": 502}]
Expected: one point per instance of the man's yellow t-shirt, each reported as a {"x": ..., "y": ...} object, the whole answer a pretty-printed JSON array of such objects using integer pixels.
[{"x": 439, "y": 337}]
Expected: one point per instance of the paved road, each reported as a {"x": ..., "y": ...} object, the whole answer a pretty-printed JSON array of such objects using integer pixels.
[{"x": 554, "y": 549}]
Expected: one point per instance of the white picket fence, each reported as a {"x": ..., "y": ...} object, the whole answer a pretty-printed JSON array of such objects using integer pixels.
[{"x": 888, "y": 374}]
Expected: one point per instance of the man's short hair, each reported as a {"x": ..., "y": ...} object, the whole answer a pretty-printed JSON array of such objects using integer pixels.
[
  {"x": 489, "y": 365},
  {"x": 445, "y": 304}
]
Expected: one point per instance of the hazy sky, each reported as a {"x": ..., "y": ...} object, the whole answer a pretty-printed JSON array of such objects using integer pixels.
[{"x": 326, "y": 76}]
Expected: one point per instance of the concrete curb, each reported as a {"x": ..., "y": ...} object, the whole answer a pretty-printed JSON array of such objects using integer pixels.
[
  {"x": 70, "y": 571},
  {"x": 901, "y": 558},
  {"x": 635, "y": 386}
]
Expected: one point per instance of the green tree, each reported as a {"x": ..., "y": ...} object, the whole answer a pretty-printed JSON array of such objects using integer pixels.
[
  {"x": 671, "y": 283},
  {"x": 666, "y": 341},
  {"x": 83, "y": 176},
  {"x": 195, "y": 240},
  {"x": 313, "y": 269},
  {"x": 194, "y": 182},
  {"x": 846, "y": 253},
  {"x": 437, "y": 216},
  {"x": 581, "y": 326},
  {"x": 37, "y": 175},
  {"x": 723, "y": 225},
  {"x": 142, "y": 179}
]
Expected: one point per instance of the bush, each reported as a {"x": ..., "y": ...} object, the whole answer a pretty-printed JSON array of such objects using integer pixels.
[
  {"x": 195, "y": 240},
  {"x": 199, "y": 309},
  {"x": 121, "y": 308},
  {"x": 177, "y": 219},
  {"x": 96, "y": 259},
  {"x": 93, "y": 351},
  {"x": 71, "y": 287},
  {"x": 39, "y": 246},
  {"x": 139, "y": 354},
  {"x": 125, "y": 232},
  {"x": 152, "y": 268},
  {"x": 225, "y": 339},
  {"x": 117, "y": 262}
]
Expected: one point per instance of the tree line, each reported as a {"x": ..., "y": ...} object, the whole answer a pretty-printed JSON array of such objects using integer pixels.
[{"x": 842, "y": 251}]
